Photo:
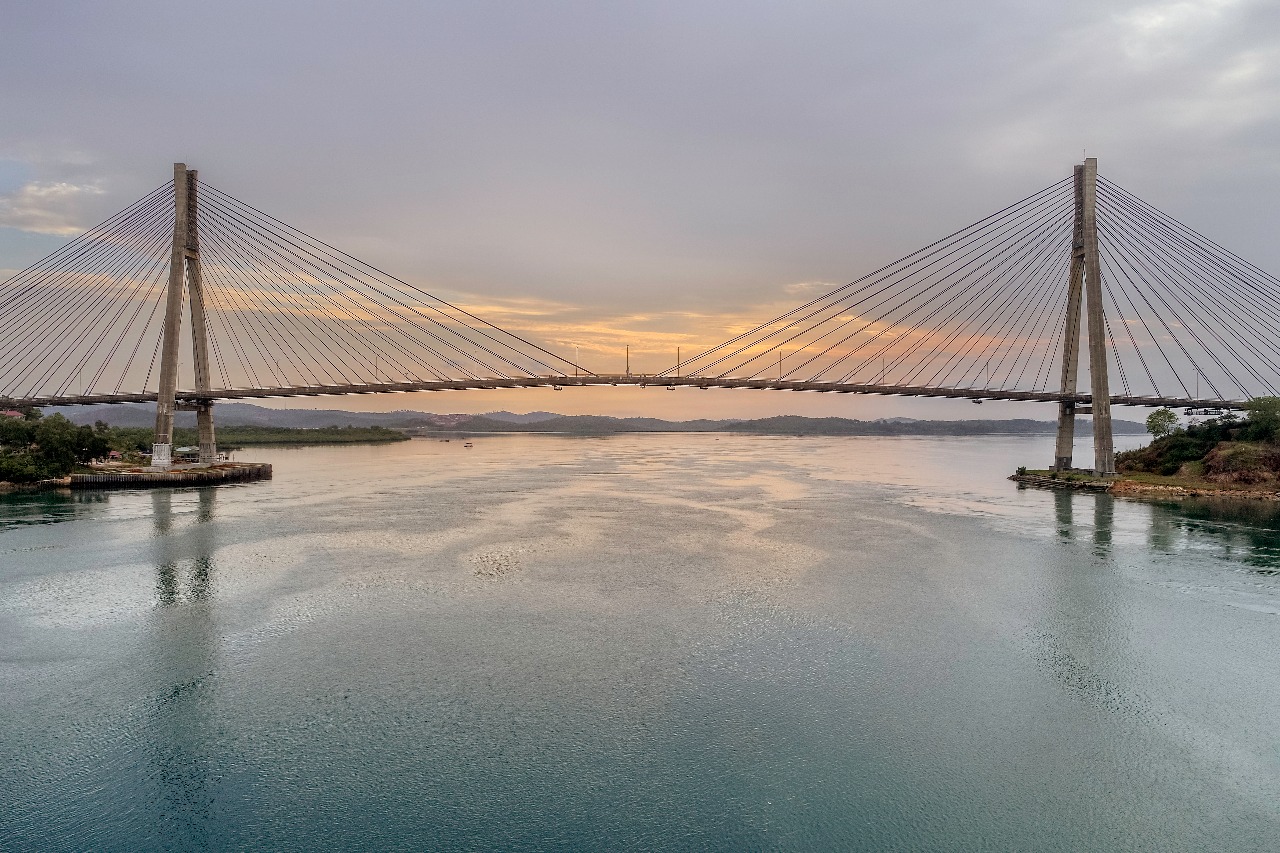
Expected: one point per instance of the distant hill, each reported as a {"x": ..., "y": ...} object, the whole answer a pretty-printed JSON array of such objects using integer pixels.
[
  {"x": 527, "y": 418},
  {"x": 781, "y": 425},
  {"x": 247, "y": 414},
  {"x": 798, "y": 425}
]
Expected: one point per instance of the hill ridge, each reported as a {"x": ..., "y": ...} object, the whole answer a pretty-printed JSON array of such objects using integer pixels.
[{"x": 247, "y": 414}]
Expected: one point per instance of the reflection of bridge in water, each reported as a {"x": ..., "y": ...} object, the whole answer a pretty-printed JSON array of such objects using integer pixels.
[
  {"x": 1241, "y": 532},
  {"x": 994, "y": 311},
  {"x": 184, "y": 664}
]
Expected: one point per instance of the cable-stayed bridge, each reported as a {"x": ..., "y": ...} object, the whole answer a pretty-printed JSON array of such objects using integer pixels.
[{"x": 997, "y": 310}]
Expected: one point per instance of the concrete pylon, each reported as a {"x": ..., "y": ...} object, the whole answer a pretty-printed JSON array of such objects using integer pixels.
[
  {"x": 1086, "y": 280},
  {"x": 1071, "y": 335},
  {"x": 184, "y": 275},
  {"x": 1104, "y": 451}
]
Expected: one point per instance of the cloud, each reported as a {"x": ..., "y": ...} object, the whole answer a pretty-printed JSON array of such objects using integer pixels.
[
  {"x": 648, "y": 175},
  {"x": 1161, "y": 32},
  {"x": 47, "y": 208},
  {"x": 809, "y": 288},
  {"x": 1176, "y": 98}
]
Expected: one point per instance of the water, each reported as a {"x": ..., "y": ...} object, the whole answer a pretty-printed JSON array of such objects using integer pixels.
[{"x": 638, "y": 643}]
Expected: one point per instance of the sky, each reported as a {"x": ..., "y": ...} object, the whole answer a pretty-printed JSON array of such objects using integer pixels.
[{"x": 659, "y": 175}]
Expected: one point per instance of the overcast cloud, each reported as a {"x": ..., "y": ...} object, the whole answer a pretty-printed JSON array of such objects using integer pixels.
[{"x": 656, "y": 174}]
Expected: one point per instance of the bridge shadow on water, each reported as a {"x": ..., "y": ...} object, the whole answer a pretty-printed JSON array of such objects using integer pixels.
[{"x": 1246, "y": 532}]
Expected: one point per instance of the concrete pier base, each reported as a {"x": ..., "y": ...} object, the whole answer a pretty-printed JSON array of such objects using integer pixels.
[{"x": 192, "y": 475}]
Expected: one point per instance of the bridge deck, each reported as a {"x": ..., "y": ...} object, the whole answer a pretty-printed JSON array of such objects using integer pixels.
[{"x": 624, "y": 379}]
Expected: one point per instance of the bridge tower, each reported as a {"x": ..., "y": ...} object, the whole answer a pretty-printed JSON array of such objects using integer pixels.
[
  {"x": 1085, "y": 285},
  {"x": 184, "y": 276}
]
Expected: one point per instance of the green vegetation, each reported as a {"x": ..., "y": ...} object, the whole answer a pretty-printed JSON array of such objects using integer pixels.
[
  {"x": 244, "y": 436},
  {"x": 139, "y": 439},
  {"x": 1162, "y": 422},
  {"x": 1225, "y": 450},
  {"x": 34, "y": 448}
]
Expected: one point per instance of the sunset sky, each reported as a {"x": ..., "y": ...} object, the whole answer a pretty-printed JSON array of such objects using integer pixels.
[{"x": 659, "y": 175}]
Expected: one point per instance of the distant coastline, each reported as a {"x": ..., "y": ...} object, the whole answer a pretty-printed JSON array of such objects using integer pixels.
[
  {"x": 235, "y": 414},
  {"x": 779, "y": 425}
]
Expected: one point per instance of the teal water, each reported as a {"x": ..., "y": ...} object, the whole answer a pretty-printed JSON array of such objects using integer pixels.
[{"x": 639, "y": 643}]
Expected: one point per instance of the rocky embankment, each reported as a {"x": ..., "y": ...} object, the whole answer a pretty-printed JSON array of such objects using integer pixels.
[
  {"x": 1133, "y": 488},
  {"x": 1123, "y": 487}
]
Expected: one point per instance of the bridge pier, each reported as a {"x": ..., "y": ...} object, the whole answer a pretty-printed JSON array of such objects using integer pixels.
[
  {"x": 1071, "y": 334},
  {"x": 184, "y": 275},
  {"x": 1104, "y": 453},
  {"x": 208, "y": 439},
  {"x": 1085, "y": 280}
]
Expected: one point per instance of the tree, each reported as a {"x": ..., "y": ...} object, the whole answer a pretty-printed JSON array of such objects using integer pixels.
[
  {"x": 1162, "y": 422},
  {"x": 62, "y": 444},
  {"x": 1264, "y": 418},
  {"x": 42, "y": 448}
]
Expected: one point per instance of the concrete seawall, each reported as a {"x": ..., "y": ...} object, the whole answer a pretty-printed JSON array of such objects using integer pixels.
[
  {"x": 235, "y": 472},
  {"x": 1063, "y": 483}
]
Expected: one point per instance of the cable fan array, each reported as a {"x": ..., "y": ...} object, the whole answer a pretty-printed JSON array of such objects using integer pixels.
[
  {"x": 284, "y": 310},
  {"x": 985, "y": 309},
  {"x": 290, "y": 310},
  {"x": 1191, "y": 319},
  {"x": 981, "y": 308},
  {"x": 87, "y": 318}
]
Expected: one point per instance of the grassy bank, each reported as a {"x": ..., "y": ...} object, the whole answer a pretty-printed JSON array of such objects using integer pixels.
[{"x": 1225, "y": 453}]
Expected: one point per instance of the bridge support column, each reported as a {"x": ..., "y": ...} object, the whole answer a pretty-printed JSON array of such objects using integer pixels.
[
  {"x": 1071, "y": 335},
  {"x": 208, "y": 439},
  {"x": 184, "y": 274},
  {"x": 1086, "y": 280},
  {"x": 1104, "y": 453},
  {"x": 199, "y": 326}
]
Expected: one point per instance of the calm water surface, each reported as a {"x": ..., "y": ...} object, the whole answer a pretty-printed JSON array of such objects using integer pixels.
[{"x": 639, "y": 643}]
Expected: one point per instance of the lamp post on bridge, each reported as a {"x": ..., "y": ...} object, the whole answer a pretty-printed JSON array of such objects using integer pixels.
[
  {"x": 184, "y": 275},
  {"x": 1085, "y": 280}
]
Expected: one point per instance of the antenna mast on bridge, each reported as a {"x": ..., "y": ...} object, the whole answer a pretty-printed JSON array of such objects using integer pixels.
[
  {"x": 184, "y": 275},
  {"x": 1085, "y": 279}
]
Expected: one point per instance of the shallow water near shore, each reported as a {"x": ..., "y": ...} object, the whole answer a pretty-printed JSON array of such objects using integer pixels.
[{"x": 640, "y": 642}]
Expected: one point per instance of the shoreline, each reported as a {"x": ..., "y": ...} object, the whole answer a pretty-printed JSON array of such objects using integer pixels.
[
  {"x": 1121, "y": 487},
  {"x": 126, "y": 478}
]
